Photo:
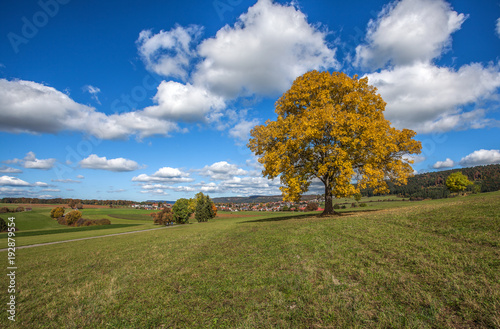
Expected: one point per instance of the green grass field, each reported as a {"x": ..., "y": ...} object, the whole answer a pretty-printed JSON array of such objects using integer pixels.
[
  {"x": 36, "y": 226},
  {"x": 430, "y": 264}
]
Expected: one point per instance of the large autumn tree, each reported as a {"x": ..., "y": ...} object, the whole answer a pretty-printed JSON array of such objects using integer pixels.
[{"x": 331, "y": 127}]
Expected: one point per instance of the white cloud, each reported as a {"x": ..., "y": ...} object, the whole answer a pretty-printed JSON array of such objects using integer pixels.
[
  {"x": 263, "y": 52},
  {"x": 448, "y": 163},
  {"x": 118, "y": 165},
  {"x": 10, "y": 170},
  {"x": 177, "y": 101},
  {"x": 30, "y": 107},
  {"x": 80, "y": 177},
  {"x": 428, "y": 98},
  {"x": 414, "y": 158},
  {"x": 498, "y": 27},
  {"x": 12, "y": 181},
  {"x": 46, "y": 196},
  {"x": 166, "y": 175},
  {"x": 243, "y": 186},
  {"x": 241, "y": 131},
  {"x": 181, "y": 188},
  {"x": 93, "y": 91},
  {"x": 10, "y": 191},
  {"x": 409, "y": 31},
  {"x": 169, "y": 53},
  {"x": 222, "y": 171},
  {"x": 31, "y": 162},
  {"x": 155, "y": 192},
  {"x": 480, "y": 158},
  {"x": 420, "y": 95},
  {"x": 210, "y": 188}
]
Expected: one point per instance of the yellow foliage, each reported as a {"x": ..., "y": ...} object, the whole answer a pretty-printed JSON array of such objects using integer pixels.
[{"x": 332, "y": 127}]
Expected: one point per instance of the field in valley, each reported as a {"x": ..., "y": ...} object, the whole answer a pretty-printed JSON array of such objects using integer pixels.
[{"x": 431, "y": 264}]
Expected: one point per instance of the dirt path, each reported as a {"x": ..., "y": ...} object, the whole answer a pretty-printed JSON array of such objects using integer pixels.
[{"x": 92, "y": 237}]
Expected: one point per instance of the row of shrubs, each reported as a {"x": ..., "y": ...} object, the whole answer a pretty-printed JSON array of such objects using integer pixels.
[
  {"x": 4, "y": 210},
  {"x": 74, "y": 218},
  {"x": 84, "y": 222}
]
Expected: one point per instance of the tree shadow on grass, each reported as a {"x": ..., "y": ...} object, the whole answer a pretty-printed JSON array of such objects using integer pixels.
[
  {"x": 319, "y": 215},
  {"x": 69, "y": 230},
  {"x": 353, "y": 212},
  {"x": 277, "y": 219}
]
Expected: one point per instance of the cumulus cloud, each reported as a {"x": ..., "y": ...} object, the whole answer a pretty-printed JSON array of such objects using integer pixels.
[
  {"x": 118, "y": 165},
  {"x": 11, "y": 191},
  {"x": 448, "y": 163},
  {"x": 428, "y": 98},
  {"x": 31, "y": 162},
  {"x": 31, "y": 107},
  {"x": 409, "y": 31},
  {"x": 404, "y": 40},
  {"x": 12, "y": 181},
  {"x": 268, "y": 47},
  {"x": 154, "y": 192},
  {"x": 261, "y": 54},
  {"x": 169, "y": 53},
  {"x": 166, "y": 175},
  {"x": 184, "y": 102},
  {"x": 480, "y": 158},
  {"x": 243, "y": 186},
  {"x": 222, "y": 171},
  {"x": 10, "y": 170}
]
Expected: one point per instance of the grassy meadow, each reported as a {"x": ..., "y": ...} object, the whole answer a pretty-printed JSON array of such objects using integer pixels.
[
  {"x": 432, "y": 264},
  {"x": 36, "y": 226}
]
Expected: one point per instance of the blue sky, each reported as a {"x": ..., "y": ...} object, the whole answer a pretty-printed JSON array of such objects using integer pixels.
[{"x": 134, "y": 100}]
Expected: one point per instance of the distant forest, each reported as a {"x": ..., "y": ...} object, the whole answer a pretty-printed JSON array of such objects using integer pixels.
[
  {"x": 95, "y": 202},
  {"x": 429, "y": 185},
  {"x": 432, "y": 185}
]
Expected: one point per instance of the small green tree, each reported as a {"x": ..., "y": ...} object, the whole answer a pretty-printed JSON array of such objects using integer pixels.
[
  {"x": 457, "y": 182},
  {"x": 204, "y": 209},
  {"x": 73, "y": 216},
  {"x": 181, "y": 211},
  {"x": 57, "y": 212},
  {"x": 357, "y": 197}
]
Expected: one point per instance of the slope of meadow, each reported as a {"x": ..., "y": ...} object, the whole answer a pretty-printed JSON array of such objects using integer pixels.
[{"x": 426, "y": 265}]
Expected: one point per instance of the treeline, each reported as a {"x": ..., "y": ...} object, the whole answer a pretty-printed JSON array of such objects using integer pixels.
[
  {"x": 432, "y": 185},
  {"x": 67, "y": 201}
]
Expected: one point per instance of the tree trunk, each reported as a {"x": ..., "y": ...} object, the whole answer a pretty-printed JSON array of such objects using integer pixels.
[{"x": 328, "y": 201}]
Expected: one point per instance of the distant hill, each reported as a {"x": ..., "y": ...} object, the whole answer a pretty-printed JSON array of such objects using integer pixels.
[
  {"x": 158, "y": 201},
  {"x": 433, "y": 184}
]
